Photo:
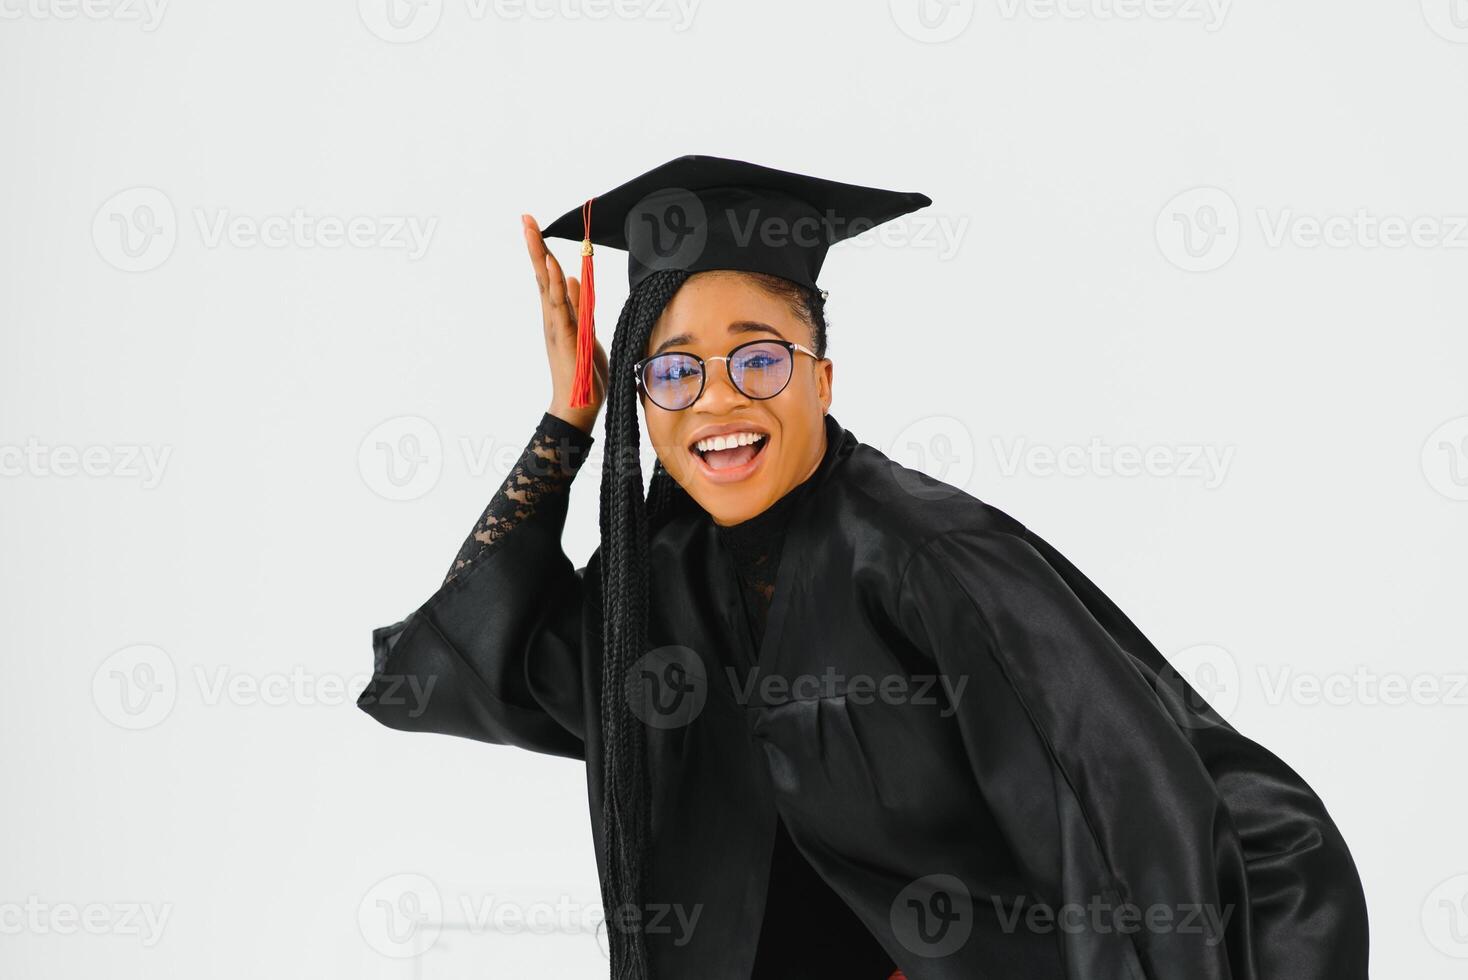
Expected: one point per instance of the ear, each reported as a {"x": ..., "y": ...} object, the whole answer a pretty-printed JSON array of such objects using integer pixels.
[{"x": 824, "y": 370}]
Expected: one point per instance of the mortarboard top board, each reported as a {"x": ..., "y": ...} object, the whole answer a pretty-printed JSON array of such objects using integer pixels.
[{"x": 698, "y": 213}]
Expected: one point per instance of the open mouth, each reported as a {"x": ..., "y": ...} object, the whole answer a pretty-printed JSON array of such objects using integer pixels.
[{"x": 730, "y": 454}]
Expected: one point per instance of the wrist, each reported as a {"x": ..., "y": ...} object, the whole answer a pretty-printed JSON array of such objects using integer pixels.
[{"x": 582, "y": 418}]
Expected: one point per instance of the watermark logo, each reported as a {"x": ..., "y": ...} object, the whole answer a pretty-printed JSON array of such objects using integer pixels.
[
  {"x": 401, "y": 916},
  {"x": 1447, "y": 18},
  {"x": 1198, "y": 230},
  {"x": 938, "y": 457},
  {"x": 400, "y": 21},
  {"x": 933, "y": 916},
  {"x": 136, "y": 687},
  {"x": 1445, "y": 917},
  {"x": 402, "y": 458},
  {"x": 932, "y": 21},
  {"x": 135, "y": 230},
  {"x": 667, "y": 229},
  {"x": 667, "y": 687},
  {"x": 939, "y": 447},
  {"x": 1445, "y": 459},
  {"x": 1200, "y": 685}
]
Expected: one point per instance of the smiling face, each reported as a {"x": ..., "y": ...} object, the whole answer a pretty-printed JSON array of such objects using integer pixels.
[{"x": 712, "y": 313}]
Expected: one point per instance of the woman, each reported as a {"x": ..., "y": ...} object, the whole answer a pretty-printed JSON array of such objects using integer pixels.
[{"x": 839, "y": 718}]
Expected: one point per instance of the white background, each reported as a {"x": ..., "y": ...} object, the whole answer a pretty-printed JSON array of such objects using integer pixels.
[{"x": 1128, "y": 192}]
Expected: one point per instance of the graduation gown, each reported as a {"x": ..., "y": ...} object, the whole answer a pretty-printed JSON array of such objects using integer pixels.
[{"x": 967, "y": 740}]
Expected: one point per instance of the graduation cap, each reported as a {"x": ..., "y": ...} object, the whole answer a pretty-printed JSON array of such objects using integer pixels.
[{"x": 697, "y": 213}]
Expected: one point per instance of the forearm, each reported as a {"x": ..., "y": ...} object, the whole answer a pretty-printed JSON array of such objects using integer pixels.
[{"x": 540, "y": 478}]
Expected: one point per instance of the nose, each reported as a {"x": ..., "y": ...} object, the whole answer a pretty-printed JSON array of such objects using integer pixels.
[{"x": 719, "y": 393}]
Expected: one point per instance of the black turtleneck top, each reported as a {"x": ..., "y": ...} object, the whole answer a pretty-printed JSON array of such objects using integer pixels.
[{"x": 808, "y": 931}]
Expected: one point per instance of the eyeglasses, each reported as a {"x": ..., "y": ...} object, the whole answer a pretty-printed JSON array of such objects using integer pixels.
[{"x": 759, "y": 369}]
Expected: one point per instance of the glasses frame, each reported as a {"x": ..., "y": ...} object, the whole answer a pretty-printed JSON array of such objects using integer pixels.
[{"x": 728, "y": 358}]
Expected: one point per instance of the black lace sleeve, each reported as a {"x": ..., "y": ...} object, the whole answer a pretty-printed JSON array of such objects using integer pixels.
[{"x": 547, "y": 466}]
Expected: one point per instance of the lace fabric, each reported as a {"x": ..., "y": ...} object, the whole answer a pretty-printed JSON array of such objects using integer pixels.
[
  {"x": 546, "y": 467},
  {"x": 754, "y": 546}
]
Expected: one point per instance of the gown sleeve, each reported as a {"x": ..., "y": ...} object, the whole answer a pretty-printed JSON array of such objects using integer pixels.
[
  {"x": 1168, "y": 814},
  {"x": 496, "y": 654}
]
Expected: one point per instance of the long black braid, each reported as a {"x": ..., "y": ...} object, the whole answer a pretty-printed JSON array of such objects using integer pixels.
[
  {"x": 625, "y": 520},
  {"x": 624, "y": 627}
]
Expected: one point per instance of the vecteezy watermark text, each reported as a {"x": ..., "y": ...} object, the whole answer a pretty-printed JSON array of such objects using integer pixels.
[
  {"x": 1207, "y": 463},
  {"x": 122, "y": 461},
  {"x": 147, "y": 14},
  {"x": 403, "y": 916},
  {"x": 1209, "y": 13},
  {"x": 1201, "y": 229},
  {"x": 1101, "y": 917},
  {"x": 927, "y": 690},
  {"x": 39, "y": 918},
  {"x": 137, "y": 230},
  {"x": 137, "y": 688},
  {"x": 409, "y": 21}
]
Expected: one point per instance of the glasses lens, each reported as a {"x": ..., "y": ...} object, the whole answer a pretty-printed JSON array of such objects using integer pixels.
[
  {"x": 672, "y": 380},
  {"x": 761, "y": 370}
]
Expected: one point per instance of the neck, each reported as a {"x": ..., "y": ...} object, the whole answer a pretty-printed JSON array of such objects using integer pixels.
[{"x": 819, "y": 456}]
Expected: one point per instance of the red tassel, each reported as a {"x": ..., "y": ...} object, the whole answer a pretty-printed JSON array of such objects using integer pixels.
[{"x": 585, "y": 320}]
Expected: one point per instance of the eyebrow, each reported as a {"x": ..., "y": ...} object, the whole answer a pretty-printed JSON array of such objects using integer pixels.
[{"x": 738, "y": 326}]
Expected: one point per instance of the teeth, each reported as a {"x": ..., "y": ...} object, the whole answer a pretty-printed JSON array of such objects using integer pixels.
[{"x": 728, "y": 441}]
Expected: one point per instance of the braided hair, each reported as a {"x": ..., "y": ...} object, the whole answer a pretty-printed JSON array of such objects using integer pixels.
[{"x": 625, "y": 520}]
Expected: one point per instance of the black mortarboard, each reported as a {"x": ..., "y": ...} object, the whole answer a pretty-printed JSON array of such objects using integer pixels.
[{"x": 698, "y": 213}]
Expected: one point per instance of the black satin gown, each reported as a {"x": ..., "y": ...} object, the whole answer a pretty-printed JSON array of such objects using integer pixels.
[{"x": 1041, "y": 797}]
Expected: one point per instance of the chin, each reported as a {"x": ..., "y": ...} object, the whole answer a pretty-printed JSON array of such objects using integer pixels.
[
  {"x": 726, "y": 513},
  {"x": 728, "y": 504}
]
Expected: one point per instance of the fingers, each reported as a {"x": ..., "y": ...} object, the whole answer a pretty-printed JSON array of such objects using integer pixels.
[
  {"x": 573, "y": 296},
  {"x": 555, "y": 286},
  {"x": 560, "y": 317},
  {"x": 535, "y": 245}
]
